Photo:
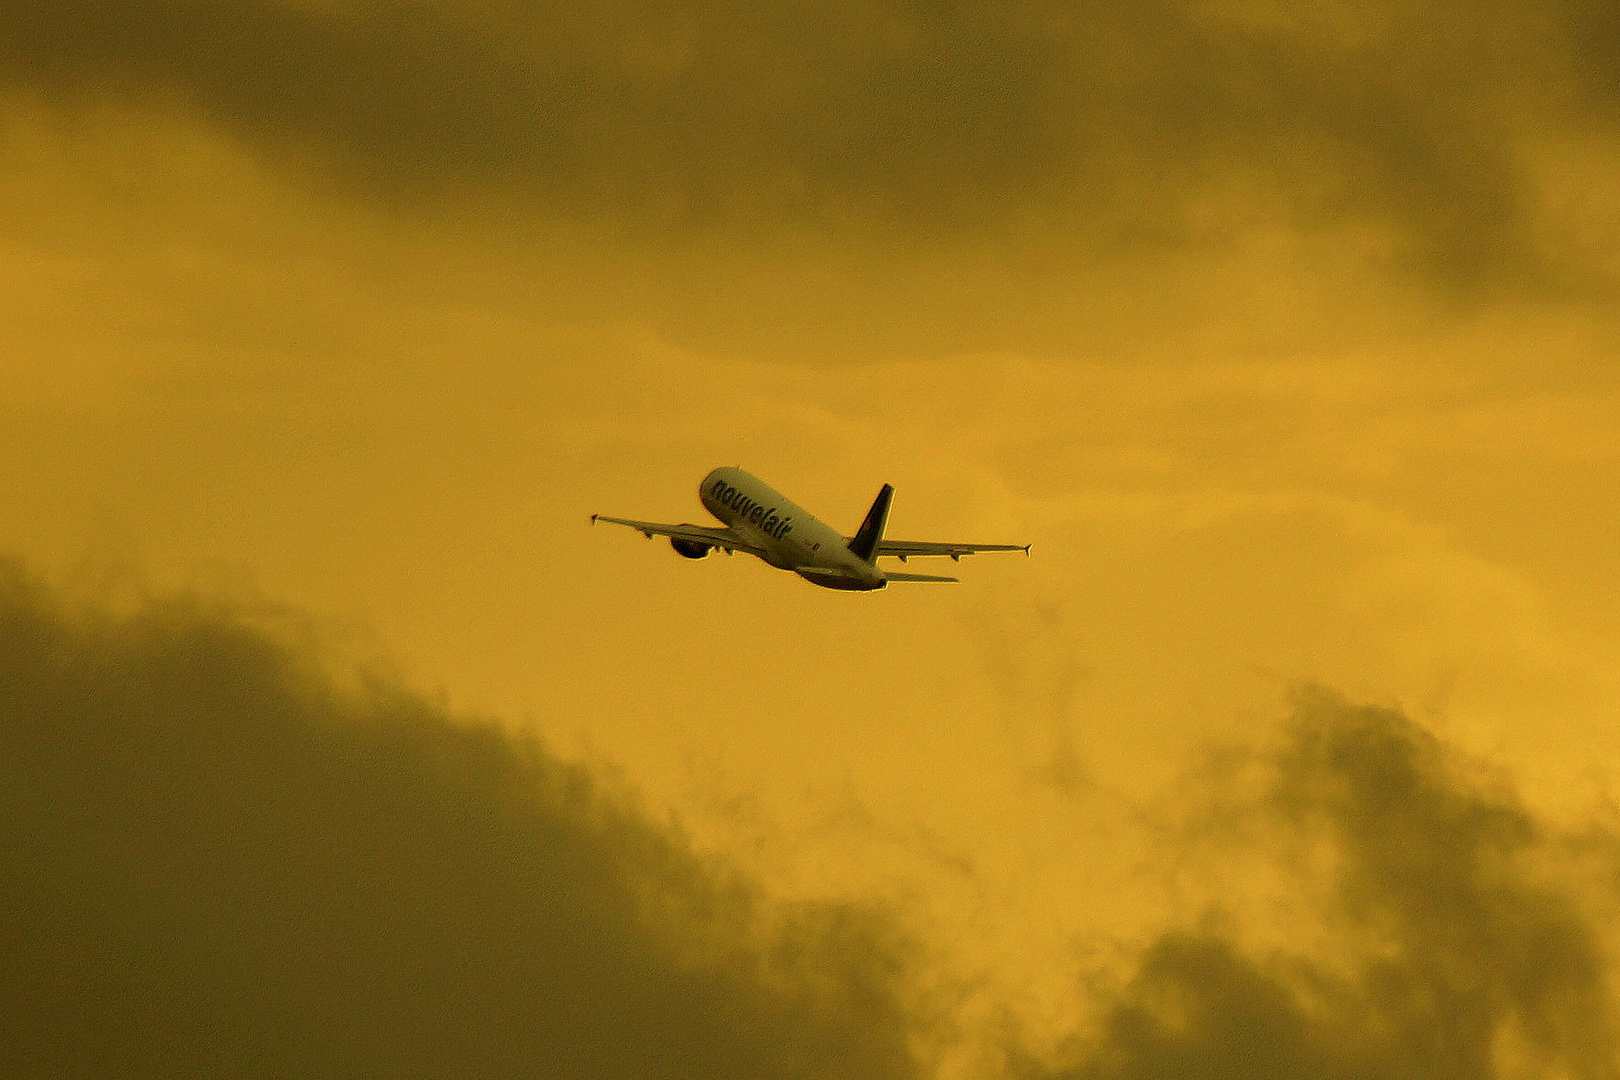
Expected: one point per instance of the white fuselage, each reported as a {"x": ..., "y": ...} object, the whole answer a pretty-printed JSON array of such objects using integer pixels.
[{"x": 791, "y": 538}]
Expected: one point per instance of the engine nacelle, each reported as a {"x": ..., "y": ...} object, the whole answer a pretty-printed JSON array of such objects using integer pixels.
[{"x": 690, "y": 549}]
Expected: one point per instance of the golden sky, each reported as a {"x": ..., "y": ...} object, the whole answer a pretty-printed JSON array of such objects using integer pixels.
[{"x": 1286, "y": 333}]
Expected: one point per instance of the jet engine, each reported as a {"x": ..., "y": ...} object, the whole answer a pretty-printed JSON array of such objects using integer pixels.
[{"x": 690, "y": 549}]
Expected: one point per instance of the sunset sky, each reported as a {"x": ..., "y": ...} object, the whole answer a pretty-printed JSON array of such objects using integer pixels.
[{"x": 1286, "y": 333}]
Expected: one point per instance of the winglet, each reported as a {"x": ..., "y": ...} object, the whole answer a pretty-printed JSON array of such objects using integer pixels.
[
  {"x": 594, "y": 517},
  {"x": 867, "y": 537}
]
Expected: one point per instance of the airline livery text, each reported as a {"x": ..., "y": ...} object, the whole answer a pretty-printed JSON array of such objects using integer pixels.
[{"x": 767, "y": 520}]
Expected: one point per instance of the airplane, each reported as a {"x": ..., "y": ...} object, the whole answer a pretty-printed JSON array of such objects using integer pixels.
[{"x": 761, "y": 522}]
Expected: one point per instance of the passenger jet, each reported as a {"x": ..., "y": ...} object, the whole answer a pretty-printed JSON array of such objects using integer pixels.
[{"x": 762, "y": 523}]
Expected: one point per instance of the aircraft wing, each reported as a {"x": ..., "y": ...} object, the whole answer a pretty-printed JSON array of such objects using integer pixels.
[
  {"x": 905, "y": 549},
  {"x": 721, "y": 538}
]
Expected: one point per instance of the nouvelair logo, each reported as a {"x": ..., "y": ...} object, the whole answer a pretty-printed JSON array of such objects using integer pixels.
[{"x": 751, "y": 511}]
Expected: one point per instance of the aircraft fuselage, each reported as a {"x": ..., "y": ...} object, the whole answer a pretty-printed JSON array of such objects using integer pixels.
[{"x": 791, "y": 538}]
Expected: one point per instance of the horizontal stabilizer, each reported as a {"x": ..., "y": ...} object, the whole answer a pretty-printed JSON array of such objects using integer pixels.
[{"x": 889, "y": 576}]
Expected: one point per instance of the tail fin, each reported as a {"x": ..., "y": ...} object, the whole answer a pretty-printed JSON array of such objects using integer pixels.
[{"x": 865, "y": 543}]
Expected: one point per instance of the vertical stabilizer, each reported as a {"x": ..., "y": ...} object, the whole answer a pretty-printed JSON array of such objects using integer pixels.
[{"x": 865, "y": 543}]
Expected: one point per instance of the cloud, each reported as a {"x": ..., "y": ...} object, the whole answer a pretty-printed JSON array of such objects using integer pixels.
[
  {"x": 1158, "y": 123},
  {"x": 1459, "y": 944},
  {"x": 216, "y": 862}
]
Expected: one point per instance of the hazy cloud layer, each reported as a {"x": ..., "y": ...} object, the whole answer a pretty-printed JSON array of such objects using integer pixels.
[
  {"x": 218, "y": 863},
  {"x": 214, "y": 863},
  {"x": 1453, "y": 939},
  {"x": 1153, "y": 122},
  {"x": 379, "y": 301}
]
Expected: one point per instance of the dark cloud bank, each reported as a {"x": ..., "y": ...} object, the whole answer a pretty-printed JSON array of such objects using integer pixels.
[
  {"x": 215, "y": 863},
  {"x": 212, "y": 863},
  {"x": 919, "y": 120},
  {"x": 1462, "y": 944}
]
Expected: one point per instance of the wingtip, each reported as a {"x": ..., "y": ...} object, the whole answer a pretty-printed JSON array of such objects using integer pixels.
[
  {"x": 1026, "y": 549},
  {"x": 594, "y": 517}
]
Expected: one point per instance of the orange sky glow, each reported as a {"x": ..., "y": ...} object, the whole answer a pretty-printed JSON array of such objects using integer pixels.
[{"x": 1285, "y": 333}]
